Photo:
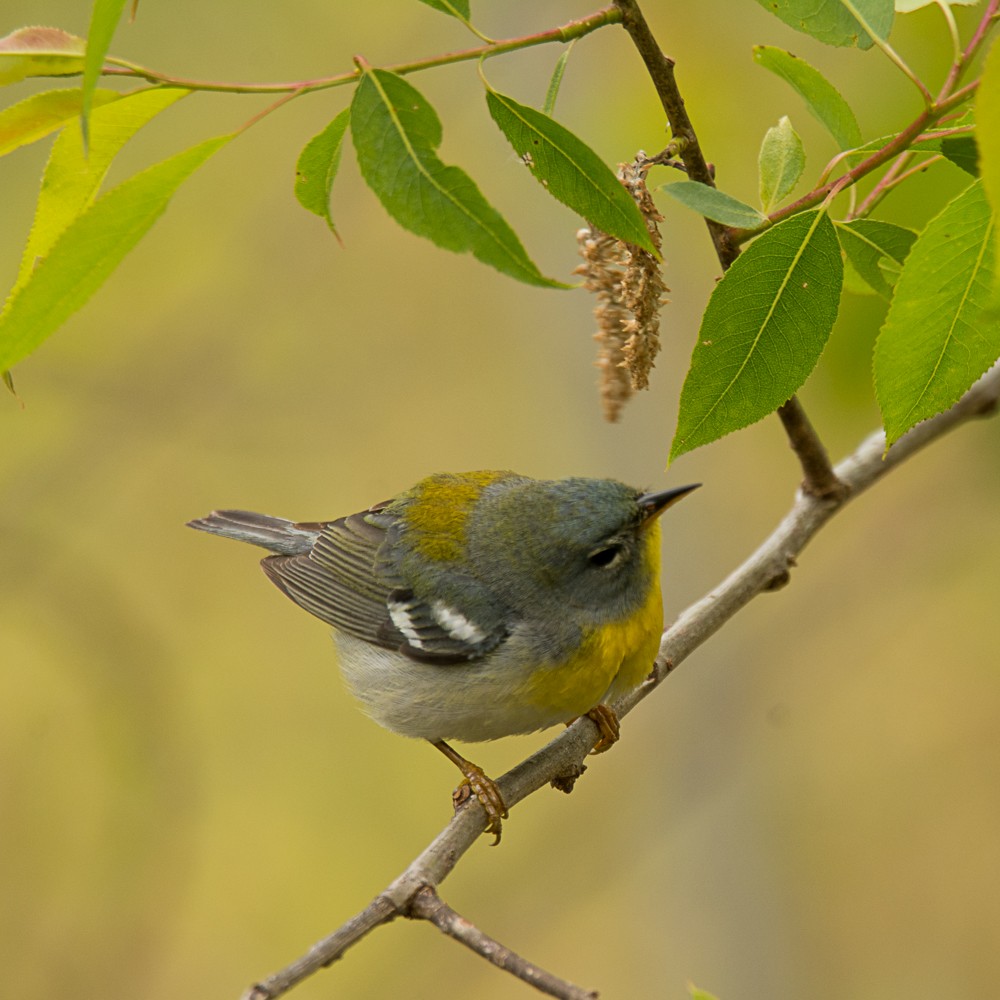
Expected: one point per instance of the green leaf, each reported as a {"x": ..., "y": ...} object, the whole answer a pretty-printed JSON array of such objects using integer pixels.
[
  {"x": 780, "y": 163},
  {"x": 891, "y": 270},
  {"x": 41, "y": 114},
  {"x": 317, "y": 167},
  {"x": 987, "y": 115},
  {"x": 90, "y": 249},
  {"x": 831, "y": 22},
  {"x": 697, "y": 994},
  {"x": 40, "y": 52},
  {"x": 570, "y": 170},
  {"x": 103, "y": 21},
  {"x": 73, "y": 175},
  {"x": 396, "y": 133},
  {"x": 963, "y": 151},
  {"x": 456, "y": 8},
  {"x": 869, "y": 243},
  {"x": 764, "y": 329},
  {"x": 822, "y": 98},
  {"x": 714, "y": 204},
  {"x": 936, "y": 341},
  {"x": 556, "y": 81}
]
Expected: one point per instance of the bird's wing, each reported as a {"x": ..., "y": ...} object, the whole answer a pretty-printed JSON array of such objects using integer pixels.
[
  {"x": 336, "y": 580},
  {"x": 346, "y": 581}
]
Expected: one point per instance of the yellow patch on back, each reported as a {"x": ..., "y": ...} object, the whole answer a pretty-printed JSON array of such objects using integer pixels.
[
  {"x": 618, "y": 653},
  {"x": 438, "y": 511}
]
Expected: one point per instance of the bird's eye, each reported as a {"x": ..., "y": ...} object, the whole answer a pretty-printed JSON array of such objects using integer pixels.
[{"x": 604, "y": 556}]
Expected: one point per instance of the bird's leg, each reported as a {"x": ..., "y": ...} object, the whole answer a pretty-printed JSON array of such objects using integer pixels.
[
  {"x": 606, "y": 721},
  {"x": 481, "y": 785}
]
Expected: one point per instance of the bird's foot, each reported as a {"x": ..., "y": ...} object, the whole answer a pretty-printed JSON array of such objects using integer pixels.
[
  {"x": 603, "y": 716},
  {"x": 479, "y": 784}
]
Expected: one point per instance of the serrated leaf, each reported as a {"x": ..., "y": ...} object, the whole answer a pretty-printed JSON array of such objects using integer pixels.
[
  {"x": 90, "y": 249},
  {"x": 935, "y": 341},
  {"x": 780, "y": 163},
  {"x": 40, "y": 51},
  {"x": 317, "y": 167},
  {"x": 570, "y": 170},
  {"x": 987, "y": 115},
  {"x": 396, "y": 133},
  {"x": 831, "y": 22},
  {"x": 456, "y": 8},
  {"x": 869, "y": 243},
  {"x": 764, "y": 329},
  {"x": 822, "y": 99},
  {"x": 41, "y": 114},
  {"x": 715, "y": 204},
  {"x": 73, "y": 175},
  {"x": 103, "y": 21}
]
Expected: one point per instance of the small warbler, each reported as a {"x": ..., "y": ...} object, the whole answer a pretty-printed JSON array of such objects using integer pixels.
[{"x": 481, "y": 604}]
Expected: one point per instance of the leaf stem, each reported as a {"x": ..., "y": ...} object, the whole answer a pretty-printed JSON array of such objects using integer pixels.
[
  {"x": 885, "y": 182},
  {"x": 890, "y": 53},
  {"x": 963, "y": 59},
  {"x": 956, "y": 41},
  {"x": 564, "y": 33}
]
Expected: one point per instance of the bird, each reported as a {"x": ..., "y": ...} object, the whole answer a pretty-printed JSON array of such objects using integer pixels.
[{"x": 479, "y": 605}]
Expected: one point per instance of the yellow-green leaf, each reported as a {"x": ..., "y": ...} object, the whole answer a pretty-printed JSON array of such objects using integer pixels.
[
  {"x": 937, "y": 338},
  {"x": 72, "y": 175},
  {"x": 40, "y": 51},
  {"x": 780, "y": 163},
  {"x": 41, "y": 114},
  {"x": 91, "y": 248},
  {"x": 103, "y": 21}
]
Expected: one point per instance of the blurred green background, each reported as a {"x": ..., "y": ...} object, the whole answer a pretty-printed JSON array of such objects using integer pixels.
[{"x": 188, "y": 798}]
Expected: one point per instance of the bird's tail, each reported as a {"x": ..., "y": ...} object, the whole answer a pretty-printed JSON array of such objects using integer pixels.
[{"x": 272, "y": 533}]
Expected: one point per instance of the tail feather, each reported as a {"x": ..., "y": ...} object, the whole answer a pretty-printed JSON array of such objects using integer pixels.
[{"x": 275, "y": 534}]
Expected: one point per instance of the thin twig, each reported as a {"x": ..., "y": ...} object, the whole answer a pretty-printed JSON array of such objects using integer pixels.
[
  {"x": 661, "y": 71},
  {"x": 428, "y": 905},
  {"x": 380, "y": 911},
  {"x": 564, "y": 33},
  {"x": 767, "y": 569}
]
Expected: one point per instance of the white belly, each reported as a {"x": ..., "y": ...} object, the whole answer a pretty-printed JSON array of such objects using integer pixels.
[{"x": 471, "y": 702}]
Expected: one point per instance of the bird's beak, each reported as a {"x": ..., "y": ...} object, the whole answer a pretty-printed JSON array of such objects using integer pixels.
[{"x": 652, "y": 505}]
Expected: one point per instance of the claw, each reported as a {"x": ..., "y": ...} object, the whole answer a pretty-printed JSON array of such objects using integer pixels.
[
  {"x": 479, "y": 784},
  {"x": 607, "y": 722}
]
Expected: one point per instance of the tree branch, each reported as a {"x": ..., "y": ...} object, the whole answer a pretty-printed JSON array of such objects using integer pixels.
[
  {"x": 427, "y": 905},
  {"x": 661, "y": 71},
  {"x": 805, "y": 442},
  {"x": 820, "y": 479},
  {"x": 560, "y": 761}
]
